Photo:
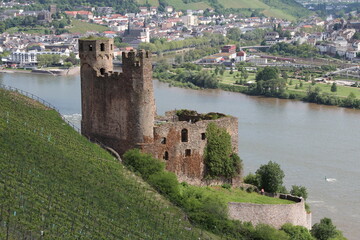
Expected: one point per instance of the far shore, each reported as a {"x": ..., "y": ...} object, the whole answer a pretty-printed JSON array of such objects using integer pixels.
[{"x": 52, "y": 71}]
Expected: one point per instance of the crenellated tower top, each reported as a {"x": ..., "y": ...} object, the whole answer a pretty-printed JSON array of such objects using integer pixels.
[{"x": 97, "y": 53}]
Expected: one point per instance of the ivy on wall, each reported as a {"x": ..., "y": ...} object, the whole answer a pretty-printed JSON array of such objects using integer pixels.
[{"x": 220, "y": 160}]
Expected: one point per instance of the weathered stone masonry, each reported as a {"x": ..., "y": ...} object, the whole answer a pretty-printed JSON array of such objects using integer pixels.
[
  {"x": 181, "y": 145},
  {"x": 275, "y": 215},
  {"x": 118, "y": 110}
]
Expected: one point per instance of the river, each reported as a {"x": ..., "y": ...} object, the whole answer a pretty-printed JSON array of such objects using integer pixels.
[{"x": 310, "y": 142}]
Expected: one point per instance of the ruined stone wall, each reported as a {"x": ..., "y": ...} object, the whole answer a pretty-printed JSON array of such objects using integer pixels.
[
  {"x": 275, "y": 215},
  {"x": 117, "y": 108},
  {"x": 185, "y": 158}
]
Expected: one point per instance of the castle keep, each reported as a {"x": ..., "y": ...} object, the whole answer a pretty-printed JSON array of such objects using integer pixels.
[{"x": 118, "y": 110}]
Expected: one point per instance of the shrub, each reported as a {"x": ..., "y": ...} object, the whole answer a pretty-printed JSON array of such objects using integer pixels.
[
  {"x": 296, "y": 232},
  {"x": 252, "y": 179},
  {"x": 325, "y": 230},
  {"x": 299, "y": 191},
  {"x": 270, "y": 177},
  {"x": 143, "y": 163},
  {"x": 226, "y": 186},
  {"x": 265, "y": 232},
  {"x": 166, "y": 183}
]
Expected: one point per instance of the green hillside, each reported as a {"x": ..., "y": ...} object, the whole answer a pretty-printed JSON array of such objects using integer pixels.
[
  {"x": 57, "y": 184},
  {"x": 288, "y": 9}
]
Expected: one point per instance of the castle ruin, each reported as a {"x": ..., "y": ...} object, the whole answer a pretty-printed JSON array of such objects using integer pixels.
[{"x": 118, "y": 110}]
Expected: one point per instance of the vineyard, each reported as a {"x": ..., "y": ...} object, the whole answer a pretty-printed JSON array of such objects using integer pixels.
[{"x": 55, "y": 184}]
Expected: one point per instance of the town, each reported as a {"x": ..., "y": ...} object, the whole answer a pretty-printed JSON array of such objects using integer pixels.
[{"x": 316, "y": 49}]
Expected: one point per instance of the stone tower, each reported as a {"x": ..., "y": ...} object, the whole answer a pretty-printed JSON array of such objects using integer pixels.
[{"x": 118, "y": 109}]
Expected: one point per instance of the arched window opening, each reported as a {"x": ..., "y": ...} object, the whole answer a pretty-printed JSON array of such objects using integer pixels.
[
  {"x": 203, "y": 136},
  {"x": 163, "y": 140},
  {"x": 187, "y": 152},
  {"x": 102, "y": 71},
  {"x": 90, "y": 47},
  {"x": 166, "y": 155},
  {"x": 111, "y": 47},
  {"x": 184, "y": 135},
  {"x": 102, "y": 47}
]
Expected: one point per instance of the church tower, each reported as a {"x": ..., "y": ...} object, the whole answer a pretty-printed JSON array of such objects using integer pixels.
[{"x": 118, "y": 108}]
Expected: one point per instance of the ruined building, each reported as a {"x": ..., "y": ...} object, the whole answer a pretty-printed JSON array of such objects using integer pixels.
[{"x": 118, "y": 110}]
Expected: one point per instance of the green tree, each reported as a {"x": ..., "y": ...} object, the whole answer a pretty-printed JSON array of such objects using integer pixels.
[
  {"x": 325, "y": 230},
  {"x": 284, "y": 75},
  {"x": 244, "y": 73},
  {"x": 234, "y": 34},
  {"x": 216, "y": 70},
  {"x": 267, "y": 73},
  {"x": 333, "y": 87},
  {"x": 270, "y": 177},
  {"x": 296, "y": 232},
  {"x": 220, "y": 161},
  {"x": 222, "y": 71},
  {"x": 48, "y": 59},
  {"x": 299, "y": 191},
  {"x": 178, "y": 59}
]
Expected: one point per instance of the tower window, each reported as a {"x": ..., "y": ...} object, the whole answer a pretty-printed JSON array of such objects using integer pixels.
[
  {"x": 111, "y": 47},
  {"x": 184, "y": 135},
  {"x": 163, "y": 140},
  {"x": 102, "y": 71},
  {"x": 166, "y": 155},
  {"x": 90, "y": 47},
  {"x": 203, "y": 136},
  {"x": 187, "y": 152},
  {"x": 102, "y": 47}
]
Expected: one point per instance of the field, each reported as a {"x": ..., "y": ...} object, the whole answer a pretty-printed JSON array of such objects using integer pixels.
[
  {"x": 179, "y": 4},
  {"x": 154, "y": 3},
  {"x": 55, "y": 184},
  {"x": 243, "y": 4},
  {"x": 83, "y": 27},
  {"x": 268, "y": 10},
  {"x": 272, "y": 12},
  {"x": 342, "y": 91},
  {"x": 37, "y": 30}
]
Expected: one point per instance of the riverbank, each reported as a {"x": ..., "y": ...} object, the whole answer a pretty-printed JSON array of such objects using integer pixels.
[
  {"x": 52, "y": 71},
  {"x": 312, "y": 95}
]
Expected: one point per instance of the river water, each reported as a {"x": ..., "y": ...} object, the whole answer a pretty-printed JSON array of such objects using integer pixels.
[{"x": 310, "y": 142}]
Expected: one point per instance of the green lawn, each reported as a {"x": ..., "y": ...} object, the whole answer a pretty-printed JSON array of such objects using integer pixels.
[
  {"x": 83, "y": 27},
  {"x": 237, "y": 195},
  {"x": 342, "y": 91},
  {"x": 53, "y": 180}
]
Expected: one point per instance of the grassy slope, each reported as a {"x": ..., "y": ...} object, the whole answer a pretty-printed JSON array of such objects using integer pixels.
[
  {"x": 270, "y": 11},
  {"x": 53, "y": 180},
  {"x": 82, "y": 27},
  {"x": 243, "y": 4},
  {"x": 237, "y": 195}
]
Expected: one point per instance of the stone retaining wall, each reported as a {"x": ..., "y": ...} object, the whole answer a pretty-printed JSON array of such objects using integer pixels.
[{"x": 275, "y": 215}]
